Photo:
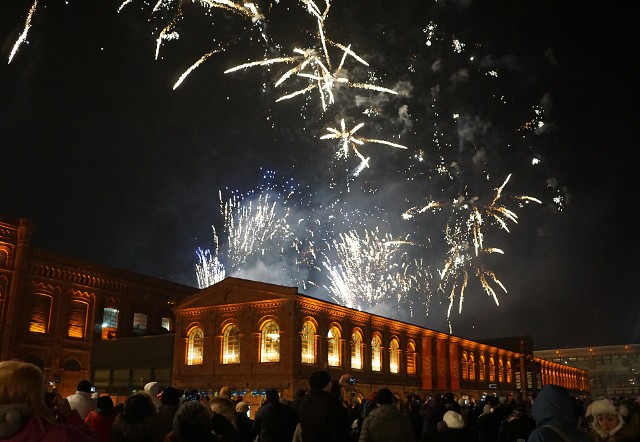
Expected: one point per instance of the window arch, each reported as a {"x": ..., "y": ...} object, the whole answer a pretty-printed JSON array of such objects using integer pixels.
[
  {"x": 195, "y": 346},
  {"x": 394, "y": 356},
  {"x": 231, "y": 345},
  {"x": 270, "y": 342},
  {"x": 464, "y": 366},
  {"x": 72, "y": 365},
  {"x": 508, "y": 371},
  {"x": 472, "y": 367},
  {"x": 376, "y": 353},
  {"x": 500, "y": 370},
  {"x": 411, "y": 358},
  {"x": 40, "y": 313},
  {"x": 481, "y": 369},
  {"x": 492, "y": 369},
  {"x": 333, "y": 346},
  {"x": 356, "y": 350},
  {"x": 78, "y": 315},
  {"x": 308, "y": 336}
]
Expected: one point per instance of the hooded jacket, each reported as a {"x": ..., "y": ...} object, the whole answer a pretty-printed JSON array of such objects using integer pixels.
[
  {"x": 385, "y": 423},
  {"x": 553, "y": 406}
]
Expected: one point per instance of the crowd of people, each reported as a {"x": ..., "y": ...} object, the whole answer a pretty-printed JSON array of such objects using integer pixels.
[{"x": 328, "y": 411}]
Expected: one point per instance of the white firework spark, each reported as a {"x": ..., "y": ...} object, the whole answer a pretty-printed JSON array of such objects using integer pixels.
[{"x": 23, "y": 36}]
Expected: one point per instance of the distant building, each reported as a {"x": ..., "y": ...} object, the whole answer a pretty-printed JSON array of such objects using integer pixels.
[
  {"x": 251, "y": 336},
  {"x": 614, "y": 370},
  {"x": 53, "y": 308}
]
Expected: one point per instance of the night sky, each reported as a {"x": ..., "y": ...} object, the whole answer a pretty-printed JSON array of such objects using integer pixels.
[{"x": 115, "y": 167}]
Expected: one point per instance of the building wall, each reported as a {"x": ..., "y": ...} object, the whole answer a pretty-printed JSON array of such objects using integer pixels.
[
  {"x": 51, "y": 306},
  {"x": 442, "y": 362}
]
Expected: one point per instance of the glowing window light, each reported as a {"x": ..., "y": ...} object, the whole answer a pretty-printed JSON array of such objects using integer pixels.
[
  {"x": 40, "y": 313},
  {"x": 333, "y": 347},
  {"x": 308, "y": 343},
  {"x": 195, "y": 346},
  {"x": 270, "y": 342},
  {"x": 472, "y": 367},
  {"x": 394, "y": 356},
  {"x": 376, "y": 354},
  {"x": 167, "y": 324},
  {"x": 508, "y": 372},
  {"x": 492, "y": 370},
  {"x": 481, "y": 369},
  {"x": 109, "y": 323},
  {"x": 231, "y": 345},
  {"x": 78, "y": 313},
  {"x": 500, "y": 370},
  {"x": 139, "y": 323},
  {"x": 356, "y": 351},
  {"x": 411, "y": 358}
]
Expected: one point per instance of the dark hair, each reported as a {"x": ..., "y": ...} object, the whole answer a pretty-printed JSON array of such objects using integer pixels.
[
  {"x": 84, "y": 385},
  {"x": 384, "y": 396},
  {"x": 170, "y": 396},
  {"x": 272, "y": 395},
  {"x": 138, "y": 407}
]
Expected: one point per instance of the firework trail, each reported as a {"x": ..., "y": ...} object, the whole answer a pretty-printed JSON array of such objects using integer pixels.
[
  {"x": 209, "y": 269},
  {"x": 365, "y": 270},
  {"x": 23, "y": 36}
]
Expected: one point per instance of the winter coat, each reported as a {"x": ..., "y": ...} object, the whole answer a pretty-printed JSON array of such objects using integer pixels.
[
  {"x": 517, "y": 426},
  {"x": 386, "y": 424},
  {"x": 27, "y": 429},
  {"x": 322, "y": 418},
  {"x": 165, "y": 416},
  {"x": 629, "y": 431},
  {"x": 274, "y": 422},
  {"x": 101, "y": 424},
  {"x": 147, "y": 430},
  {"x": 82, "y": 402},
  {"x": 455, "y": 435},
  {"x": 553, "y": 406}
]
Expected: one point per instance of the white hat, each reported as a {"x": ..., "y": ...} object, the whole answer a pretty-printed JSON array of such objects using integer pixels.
[
  {"x": 603, "y": 406},
  {"x": 453, "y": 419}
]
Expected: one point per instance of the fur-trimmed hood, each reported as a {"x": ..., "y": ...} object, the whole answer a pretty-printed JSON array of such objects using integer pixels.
[
  {"x": 12, "y": 417},
  {"x": 627, "y": 430}
]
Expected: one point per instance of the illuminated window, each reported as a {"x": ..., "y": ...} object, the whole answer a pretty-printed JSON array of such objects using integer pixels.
[
  {"x": 356, "y": 350},
  {"x": 139, "y": 323},
  {"x": 109, "y": 323},
  {"x": 40, "y": 313},
  {"x": 231, "y": 345},
  {"x": 167, "y": 324},
  {"x": 394, "y": 356},
  {"x": 333, "y": 347},
  {"x": 464, "y": 366},
  {"x": 492, "y": 369},
  {"x": 270, "y": 342},
  {"x": 308, "y": 343},
  {"x": 376, "y": 354},
  {"x": 508, "y": 371},
  {"x": 481, "y": 369},
  {"x": 78, "y": 312},
  {"x": 195, "y": 346},
  {"x": 411, "y": 358},
  {"x": 500, "y": 370},
  {"x": 472, "y": 367}
]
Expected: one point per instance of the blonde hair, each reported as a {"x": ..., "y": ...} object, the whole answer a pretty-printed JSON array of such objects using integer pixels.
[{"x": 22, "y": 383}]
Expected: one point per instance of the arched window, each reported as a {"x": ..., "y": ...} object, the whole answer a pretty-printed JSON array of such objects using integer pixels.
[
  {"x": 40, "y": 313},
  {"x": 78, "y": 314},
  {"x": 195, "y": 346},
  {"x": 411, "y": 358},
  {"x": 492, "y": 369},
  {"x": 394, "y": 356},
  {"x": 231, "y": 345},
  {"x": 508, "y": 371},
  {"x": 308, "y": 337},
  {"x": 500, "y": 370},
  {"x": 472, "y": 367},
  {"x": 376, "y": 353},
  {"x": 356, "y": 350},
  {"x": 481, "y": 368},
  {"x": 270, "y": 342},
  {"x": 333, "y": 347},
  {"x": 464, "y": 366},
  {"x": 72, "y": 365},
  {"x": 35, "y": 360}
]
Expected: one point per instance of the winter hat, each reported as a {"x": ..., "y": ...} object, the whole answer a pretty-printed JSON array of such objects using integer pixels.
[
  {"x": 170, "y": 396},
  {"x": 453, "y": 419},
  {"x": 104, "y": 403},
  {"x": 84, "y": 385},
  {"x": 152, "y": 388},
  {"x": 384, "y": 396},
  {"x": 603, "y": 406},
  {"x": 192, "y": 422},
  {"x": 272, "y": 395},
  {"x": 606, "y": 406},
  {"x": 319, "y": 379},
  {"x": 242, "y": 407}
]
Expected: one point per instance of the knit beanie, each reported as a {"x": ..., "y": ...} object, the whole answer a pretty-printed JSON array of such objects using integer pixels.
[
  {"x": 453, "y": 420},
  {"x": 319, "y": 379}
]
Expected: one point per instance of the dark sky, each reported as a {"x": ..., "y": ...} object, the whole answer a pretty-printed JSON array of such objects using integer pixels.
[{"x": 115, "y": 167}]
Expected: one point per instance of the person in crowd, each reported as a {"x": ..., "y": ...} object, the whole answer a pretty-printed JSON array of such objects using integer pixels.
[
  {"x": 322, "y": 418},
  {"x": 297, "y": 398},
  {"x": 488, "y": 424},
  {"x": 192, "y": 423},
  {"x": 28, "y": 413},
  {"x": 102, "y": 418},
  {"x": 244, "y": 424},
  {"x": 225, "y": 392},
  {"x": 454, "y": 429},
  {"x": 169, "y": 404},
  {"x": 385, "y": 423},
  {"x": 517, "y": 426},
  {"x": 224, "y": 419},
  {"x": 432, "y": 414},
  {"x": 81, "y": 400},
  {"x": 613, "y": 422},
  {"x": 555, "y": 416},
  {"x": 153, "y": 389},
  {"x": 274, "y": 421},
  {"x": 137, "y": 422},
  {"x": 415, "y": 416}
]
